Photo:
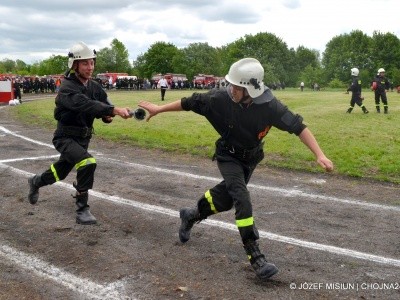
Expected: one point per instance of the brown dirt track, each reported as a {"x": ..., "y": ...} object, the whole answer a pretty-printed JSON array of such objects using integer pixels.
[{"x": 323, "y": 231}]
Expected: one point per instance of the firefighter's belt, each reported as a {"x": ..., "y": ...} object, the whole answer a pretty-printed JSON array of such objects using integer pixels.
[
  {"x": 82, "y": 132},
  {"x": 238, "y": 152}
]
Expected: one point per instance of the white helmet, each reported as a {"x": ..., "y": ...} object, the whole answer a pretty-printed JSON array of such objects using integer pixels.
[
  {"x": 355, "y": 72},
  {"x": 78, "y": 52},
  {"x": 247, "y": 73},
  {"x": 381, "y": 70}
]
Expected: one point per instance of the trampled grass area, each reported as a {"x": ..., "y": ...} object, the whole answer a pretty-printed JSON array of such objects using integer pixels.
[{"x": 360, "y": 145}]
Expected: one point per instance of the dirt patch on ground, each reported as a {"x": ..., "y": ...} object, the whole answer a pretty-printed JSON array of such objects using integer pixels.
[{"x": 331, "y": 237}]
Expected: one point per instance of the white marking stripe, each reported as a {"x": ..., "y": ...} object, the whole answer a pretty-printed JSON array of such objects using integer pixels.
[
  {"x": 263, "y": 234},
  {"x": 233, "y": 227},
  {"x": 24, "y": 137},
  {"x": 72, "y": 282},
  {"x": 285, "y": 192},
  {"x": 45, "y": 157}
]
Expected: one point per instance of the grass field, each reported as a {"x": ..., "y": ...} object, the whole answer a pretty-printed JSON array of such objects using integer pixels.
[{"x": 360, "y": 145}]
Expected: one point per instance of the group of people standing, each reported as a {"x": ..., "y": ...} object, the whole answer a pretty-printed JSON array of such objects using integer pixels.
[{"x": 380, "y": 85}]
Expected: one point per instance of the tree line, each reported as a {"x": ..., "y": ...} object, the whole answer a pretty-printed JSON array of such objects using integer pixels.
[{"x": 281, "y": 64}]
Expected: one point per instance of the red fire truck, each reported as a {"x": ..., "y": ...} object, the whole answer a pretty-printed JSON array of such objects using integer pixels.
[
  {"x": 105, "y": 77},
  {"x": 170, "y": 77},
  {"x": 207, "y": 81}
]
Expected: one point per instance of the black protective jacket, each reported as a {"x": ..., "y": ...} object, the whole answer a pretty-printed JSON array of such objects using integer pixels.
[
  {"x": 78, "y": 105},
  {"x": 382, "y": 84},
  {"x": 355, "y": 87},
  {"x": 240, "y": 125}
]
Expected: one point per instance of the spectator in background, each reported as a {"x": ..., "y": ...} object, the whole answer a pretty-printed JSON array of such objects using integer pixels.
[
  {"x": 110, "y": 83},
  {"x": 163, "y": 84},
  {"x": 58, "y": 83},
  {"x": 17, "y": 90},
  {"x": 302, "y": 86}
]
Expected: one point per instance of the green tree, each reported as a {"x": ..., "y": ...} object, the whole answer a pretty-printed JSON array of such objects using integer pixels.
[
  {"x": 56, "y": 64},
  {"x": 395, "y": 77},
  {"x": 21, "y": 66},
  {"x": 306, "y": 57},
  {"x": 8, "y": 65},
  {"x": 311, "y": 75},
  {"x": 197, "y": 58},
  {"x": 35, "y": 68},
  {"x": 113, "y": 59},
  {"x": 270, "y": 50},
  {"x": 344, "y": 52},
  {"x": 158, "y": 59},
  {"x": 385, "y": 52}
]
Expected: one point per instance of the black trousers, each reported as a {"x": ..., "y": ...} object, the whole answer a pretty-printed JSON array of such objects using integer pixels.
[
  {"x": 355, "y": 99},
  {"x": 163, "y": 93},
  {"x": 74, "y": 153},
  {"x": 380, "y": 95},
  {"x": 233, "y": 192}
]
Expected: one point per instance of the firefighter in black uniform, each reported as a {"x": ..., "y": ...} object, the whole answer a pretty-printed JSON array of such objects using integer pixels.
[
  {"x": 242, "y": 114},
  {"x": 79, "y": 101},
  {"x": 382, "y": 85},
  {"x": 355, "y": 89}
]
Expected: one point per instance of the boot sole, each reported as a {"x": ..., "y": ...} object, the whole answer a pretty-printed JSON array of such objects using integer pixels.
[
  {"x": 86, "y": 223},
  {"x": 270, "y": 274}
]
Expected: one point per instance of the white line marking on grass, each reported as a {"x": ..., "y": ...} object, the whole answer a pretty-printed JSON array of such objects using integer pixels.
[
  {"x": 77, "y": 284},
  {"x": 232, "y": 227},
  {"x": 284, "y": 192}
]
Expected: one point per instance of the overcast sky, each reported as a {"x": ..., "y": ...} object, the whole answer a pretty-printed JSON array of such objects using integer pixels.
[{"x": 33, "y": 30}]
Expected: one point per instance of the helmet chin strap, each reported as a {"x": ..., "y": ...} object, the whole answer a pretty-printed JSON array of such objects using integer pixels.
[{"x": 245, "y": 97}]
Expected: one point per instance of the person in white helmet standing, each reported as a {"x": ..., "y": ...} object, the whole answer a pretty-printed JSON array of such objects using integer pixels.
[
  {"x": 355, "y": 89},
  {"x": 79, "y": 101},
  {"x": 381, "y": 85},
  {"x": 242, "y": 114}
]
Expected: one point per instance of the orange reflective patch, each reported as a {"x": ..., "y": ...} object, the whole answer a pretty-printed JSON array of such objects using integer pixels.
[{"x": 264, "y": 132}]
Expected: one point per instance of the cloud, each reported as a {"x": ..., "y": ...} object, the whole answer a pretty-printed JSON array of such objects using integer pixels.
[
  {"x": 291, "y": 3},
  {"x": 34, "y": 30}
]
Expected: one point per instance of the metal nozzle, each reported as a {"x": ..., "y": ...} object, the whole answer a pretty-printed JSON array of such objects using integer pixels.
[{"x": 138, "y": 114}]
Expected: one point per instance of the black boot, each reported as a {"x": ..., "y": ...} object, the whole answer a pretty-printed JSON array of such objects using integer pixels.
[
  {"x": 364, "y": 109},
  {"x": 349, "y": 110},
  {"x": 83, "y": 215},
  {"x": 260, "y": 265},
  {"x": 188, "y": 217},
  {"x": 385, "y": 111},
  {"x": 35, "y": 182},
  {"x": 378, "y": 109}
]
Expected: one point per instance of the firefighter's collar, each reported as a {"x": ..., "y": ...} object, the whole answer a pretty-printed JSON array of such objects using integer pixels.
[{"x": 265, "y": 97}]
